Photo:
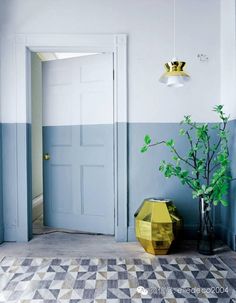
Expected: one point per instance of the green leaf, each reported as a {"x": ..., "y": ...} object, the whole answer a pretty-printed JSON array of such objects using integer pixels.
[
  {"x": 162, "y": 166},
  {"x": 187, "y": 119},
  {"x": 144, "y": 149},
  {"x": 191, "y": 153},
  {"x": 215, "y": 202},
  {"x": 218, "y": 108},
  {"x": 170, "y": 143},
  {"x": 196, "y": 184},
  {"x": 178, "y": 169},
  {"x": 226, "y": 119},
  {"x": 184, "y": 173},
  {"x": 208, "y": 190},
  {"x": 176, "y": 159},
  {"x": 223, "y": 134},
  {"x": 195, "y": 195},
  {"x": 224, "y": 202},
  {"x": 147, "y": 139},
  {"x": 182, "y": 132},
  {"x": 200, "y": 192}
]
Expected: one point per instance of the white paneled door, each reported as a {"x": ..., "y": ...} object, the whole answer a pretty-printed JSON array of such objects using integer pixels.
[{"x": 78, "y": 143}]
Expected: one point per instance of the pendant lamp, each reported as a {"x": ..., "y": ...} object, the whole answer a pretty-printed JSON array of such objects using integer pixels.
[{"x": 174, "y": 76}]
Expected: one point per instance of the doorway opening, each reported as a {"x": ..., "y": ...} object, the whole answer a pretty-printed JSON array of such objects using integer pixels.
[
  {"x": 36, "y": 142},
  {"x": 72, "y": 127}
]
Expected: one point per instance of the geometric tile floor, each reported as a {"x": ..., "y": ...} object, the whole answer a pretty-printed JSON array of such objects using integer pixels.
[{"x": 160, "y": 279}]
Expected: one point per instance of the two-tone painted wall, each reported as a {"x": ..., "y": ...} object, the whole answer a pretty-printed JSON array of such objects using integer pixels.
[
  {"x": 227, "y": 215},
  {"x": 152, "y": 108}
]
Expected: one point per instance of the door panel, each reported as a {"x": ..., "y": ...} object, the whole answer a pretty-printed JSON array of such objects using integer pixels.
[
  {"x": 78, "y": 135},
  {"x": 90, "y": 194},
  {"x": 61, "y": 189}
]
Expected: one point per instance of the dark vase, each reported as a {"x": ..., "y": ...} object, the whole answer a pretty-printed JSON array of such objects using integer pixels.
[{"x": 205, "y": 242}]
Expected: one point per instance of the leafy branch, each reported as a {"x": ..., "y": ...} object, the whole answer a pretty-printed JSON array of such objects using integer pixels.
[{"x": 206, "y": 164}]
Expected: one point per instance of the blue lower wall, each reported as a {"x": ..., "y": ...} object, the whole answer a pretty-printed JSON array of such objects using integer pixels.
[
  {"x": 9, "y": 180},
  {"x": 14, "y": 137},
  {"x": 1, "y": 198},
  {"x": 226, "y": 216},
  {"x": 144, "y": 179}
]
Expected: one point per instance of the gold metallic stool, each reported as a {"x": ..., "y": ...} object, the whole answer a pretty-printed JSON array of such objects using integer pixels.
[{"x": 157, "y": 224}]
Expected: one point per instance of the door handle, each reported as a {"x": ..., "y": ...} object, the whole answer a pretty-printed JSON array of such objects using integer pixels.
[{"x": 46, "y": 156}]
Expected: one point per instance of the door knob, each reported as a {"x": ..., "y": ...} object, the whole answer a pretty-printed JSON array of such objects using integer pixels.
[{"x": 46, "y": 156}]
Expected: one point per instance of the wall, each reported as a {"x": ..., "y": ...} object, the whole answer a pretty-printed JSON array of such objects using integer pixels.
[
  {"x": 145, "y": 180},
  {"x": 228, "y": 59},
  {"x": 1, "y": 197},
  {"x": 227, "y": 215},
  {"x": 149, "y": 25},
  {"x": 152, "y": 108},
  {"x": 36, "y": 93}
]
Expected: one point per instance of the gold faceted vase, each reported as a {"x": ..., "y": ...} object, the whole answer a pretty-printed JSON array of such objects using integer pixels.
[{"x": 157, "y": 225}]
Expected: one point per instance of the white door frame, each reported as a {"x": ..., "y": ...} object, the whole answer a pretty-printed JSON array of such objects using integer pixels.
[{"x": 117, "y": 44}]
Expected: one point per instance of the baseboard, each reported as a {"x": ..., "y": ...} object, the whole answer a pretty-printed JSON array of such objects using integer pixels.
[{"x": 37, "y": 207}]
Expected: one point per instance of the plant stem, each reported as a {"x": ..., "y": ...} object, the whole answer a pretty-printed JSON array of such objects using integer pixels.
[
  {"x": 214, "y": 167},
  {"x": 208, "y": 162},
  {"x": 174, "y": 150},
  {"x": 158, "y": 143},
  {"x": 181, "y": 158}
]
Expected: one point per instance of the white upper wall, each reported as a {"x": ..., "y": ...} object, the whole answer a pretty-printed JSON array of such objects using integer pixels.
[
  {"x": 149, "y": 25},
  {"x": 228, "y": 60}
]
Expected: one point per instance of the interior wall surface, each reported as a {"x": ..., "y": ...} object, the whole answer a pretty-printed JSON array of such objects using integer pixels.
[{"x": 152, "y": 108}]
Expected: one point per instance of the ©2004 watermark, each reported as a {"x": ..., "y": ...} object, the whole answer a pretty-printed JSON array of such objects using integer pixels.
[{"x": 195, "y": 290}]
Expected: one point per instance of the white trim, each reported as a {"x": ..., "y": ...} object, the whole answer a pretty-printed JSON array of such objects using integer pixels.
[{"x": 116, "y": 44}]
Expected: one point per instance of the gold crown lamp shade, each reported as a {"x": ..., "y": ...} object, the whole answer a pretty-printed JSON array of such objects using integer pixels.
[{"x": 174, "y": 76}]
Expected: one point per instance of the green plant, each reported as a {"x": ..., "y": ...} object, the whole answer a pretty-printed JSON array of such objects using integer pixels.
[{"x": 205, "y": 167}]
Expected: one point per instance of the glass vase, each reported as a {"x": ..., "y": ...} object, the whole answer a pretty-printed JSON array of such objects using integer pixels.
[{"x": 205, "y": 243}]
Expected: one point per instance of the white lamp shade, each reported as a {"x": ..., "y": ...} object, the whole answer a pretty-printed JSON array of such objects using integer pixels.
[{"x": 174, "y": 81}]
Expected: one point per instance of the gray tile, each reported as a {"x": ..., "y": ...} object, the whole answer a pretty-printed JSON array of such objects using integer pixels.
[
  {"x": 79, "y": 284},
  {"x": 112, "y": 283},
  {"x": 88, "y": 293}
]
